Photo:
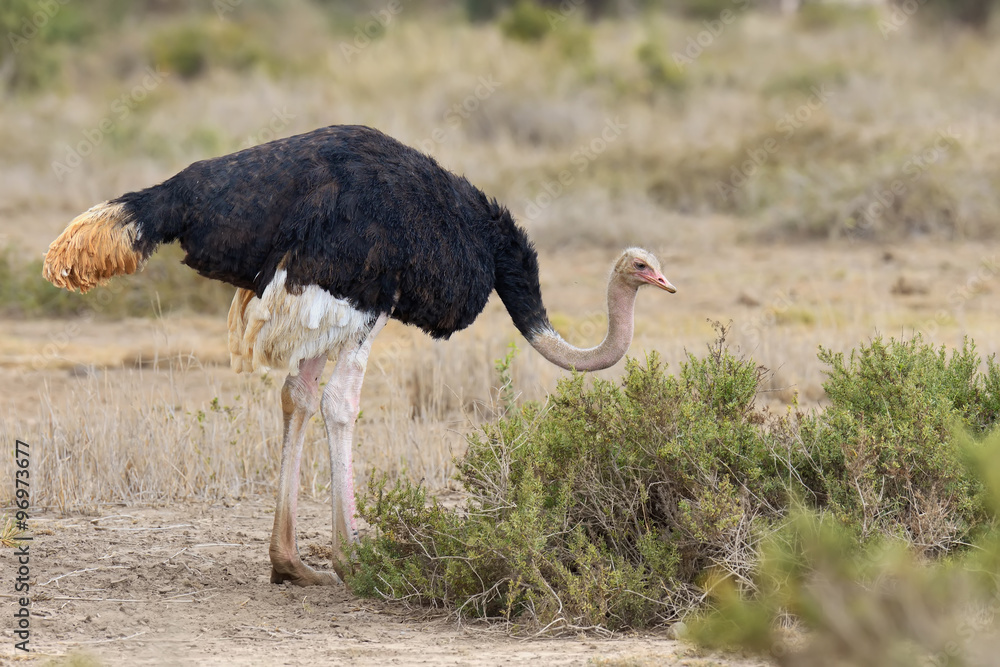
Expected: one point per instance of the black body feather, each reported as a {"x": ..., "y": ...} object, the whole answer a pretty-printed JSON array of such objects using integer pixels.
[{"x": 357, "y": 213}]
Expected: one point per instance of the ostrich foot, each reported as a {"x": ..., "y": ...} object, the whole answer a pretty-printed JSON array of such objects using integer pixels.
[{"x": 294, "y": 571}]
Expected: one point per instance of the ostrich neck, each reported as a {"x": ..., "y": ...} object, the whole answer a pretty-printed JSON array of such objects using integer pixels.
[{"x": 621, "y": 304}]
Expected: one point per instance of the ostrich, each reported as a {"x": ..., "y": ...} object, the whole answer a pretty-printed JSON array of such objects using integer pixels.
[{"x": 326, "y": 235}]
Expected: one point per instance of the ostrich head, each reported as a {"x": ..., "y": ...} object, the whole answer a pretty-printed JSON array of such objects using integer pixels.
[{"x": 637, "y": 267}]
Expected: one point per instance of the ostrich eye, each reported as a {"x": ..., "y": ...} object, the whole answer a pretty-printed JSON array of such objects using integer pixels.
[{"x": 640, "y": 266}]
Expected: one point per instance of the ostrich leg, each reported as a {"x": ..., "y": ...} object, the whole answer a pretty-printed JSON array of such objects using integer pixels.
[
  {"x": 341, "y": 404},
  {"x": 298, "y": 403}
]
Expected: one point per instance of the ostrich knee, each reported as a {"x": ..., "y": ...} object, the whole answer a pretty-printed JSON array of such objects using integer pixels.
[
  {"x": 300, "y": 393},
  {"x": 340, "y": 409}
]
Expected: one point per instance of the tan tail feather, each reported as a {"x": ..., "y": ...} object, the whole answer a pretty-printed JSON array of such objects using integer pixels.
[
  {"x": 96, "y": 246},
  {"x": 241, "y": 344}
]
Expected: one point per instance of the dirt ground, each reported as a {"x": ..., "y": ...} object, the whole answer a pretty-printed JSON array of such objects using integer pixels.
[{"x": 188, "y": 584}]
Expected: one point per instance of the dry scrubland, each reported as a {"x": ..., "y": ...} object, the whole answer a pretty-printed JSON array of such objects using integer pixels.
[
  {"x": 645, "y": 144},
  {"x": 127, "y": 396}
]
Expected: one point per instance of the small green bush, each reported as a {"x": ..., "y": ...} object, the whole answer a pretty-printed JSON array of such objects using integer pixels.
[
  {"x": 31, "y": 52},
  {"x": 575, "y": 41},
  {"x": 189, "y": 49},
  {"x": 823, "y": 15},
  {"x": 183, "y": 50},
  {"x": 526, "y": 22},
  {"x": 701, "y": 9},
  {"x": 661, "y": 71},
  {"x": 891, "y": 465},
  {"x": 614, "y": 504}
]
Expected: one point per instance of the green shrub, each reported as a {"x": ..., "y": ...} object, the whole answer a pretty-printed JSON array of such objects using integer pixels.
[
  {"x": 823, "y": 15},
  {"x": 575, "y": 41},
  {"x": 892, "y": 466},
  {"x": 598, "y": 509},
  {"x": 614, "y": 504},
  {"x": 189, "y": 49},
  {"x": 701, "y": 9},
  {"x": 183, "y": 50},
  {"x": 31, "y": 53},
  {"x": 526, "y": 22},
  {"x": 866, "y": 604},
  {"x": 661, "y": 71}
]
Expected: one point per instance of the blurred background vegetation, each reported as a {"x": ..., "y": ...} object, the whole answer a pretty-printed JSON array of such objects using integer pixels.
[{"x": 801, "y": 122}]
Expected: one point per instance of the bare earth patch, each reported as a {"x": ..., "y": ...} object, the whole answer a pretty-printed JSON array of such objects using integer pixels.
[{"x": 188, "y": 584}]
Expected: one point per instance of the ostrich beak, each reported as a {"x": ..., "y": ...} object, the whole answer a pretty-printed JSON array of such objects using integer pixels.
[{"x": 657, "y": 280}]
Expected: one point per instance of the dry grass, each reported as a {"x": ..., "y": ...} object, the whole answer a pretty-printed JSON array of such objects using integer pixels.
[
  {"x": 138, "y": 444},
  {"x": 635, "y": 153},
  {"x": 136, "y": 435},
  {"x": 75, "y": 386},
  {"x": 9, "y": 532}
]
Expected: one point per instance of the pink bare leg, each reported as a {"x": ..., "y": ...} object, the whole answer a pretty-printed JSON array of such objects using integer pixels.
[
  {"x": 341, "y": 404},
  {"x": 298, "y": 403}
]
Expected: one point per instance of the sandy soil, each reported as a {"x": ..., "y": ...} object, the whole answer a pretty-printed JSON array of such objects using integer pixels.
[{"x": 188, "y": 584}]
